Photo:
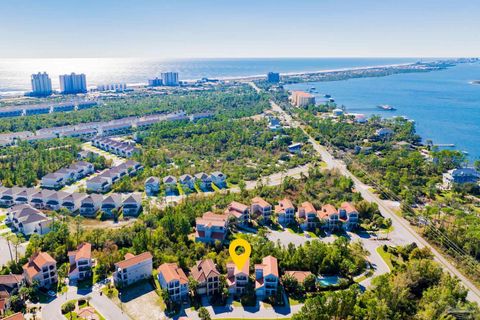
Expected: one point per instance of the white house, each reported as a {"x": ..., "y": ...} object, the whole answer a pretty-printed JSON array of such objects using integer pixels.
[
  {"x": 152, "y": 186},
  {"x": 173, "y": 279},
  {"x": 73, "y": 201},
  {"x": 110, "y": 203},
  {"x": 219, "y": 179},
  {"x": 28, "y": 220},
  {"x": 285, "y": 212},
  {"x": 90, "y": 205},
  {"x": 329, "y": 216},
  {"x": 55, "y": 200},
  {"x": 237, "y": 279},
  {"x": 80, "y": 262},
  {"x": 262, "y": 209},
  {"x": 170, "y": 183},
  {"x": 187, "y": 181},
  {"x": 42, "y": 268},
  {"x": 266, "y": 277},
  {"x": 133, "y": 269},
  {"x": 25, "y": 196},
  {"x": 132, "y": 204}
]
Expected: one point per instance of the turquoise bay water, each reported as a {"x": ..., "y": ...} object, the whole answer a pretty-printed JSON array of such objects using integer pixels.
[{"x": 443, "y": 104}]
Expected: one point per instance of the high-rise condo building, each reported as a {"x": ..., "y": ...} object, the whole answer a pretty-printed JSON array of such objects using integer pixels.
[
  {"x": 170, "y": 78},
  {"x": 273, "y": 77},
  {"x": 41, "y": 85},
  {"x": 73, "y": 83}
]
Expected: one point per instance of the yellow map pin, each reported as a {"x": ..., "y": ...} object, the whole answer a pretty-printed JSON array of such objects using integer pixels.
[{"x": 240, "y": 259}]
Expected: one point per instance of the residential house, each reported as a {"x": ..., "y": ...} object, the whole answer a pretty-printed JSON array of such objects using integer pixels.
[
  {"x": 133, "y": 269},
  {"x": 152, "y": 186},
  {"x": 203, "y": 181},
  {"x": 240, "y": 211},
  {"x": 211, "y": 227},
  {"x": 329, "y": 216},
  {"x": 132, "y": 205},
  {"x": 173, "y": 279},
  {"x": 348, "y": 214},
  {"x": 170, "y": 183},
  {"x": 295, "y": 148},
  {"x": 9, "y": 284},
  {"x": 80, "y": 262},
  {"x": 300, "y": 276},
  {"x": 25, "y": 196},
  {"x": 8, "y": 195},
  {"x": 73, "y": 201},
  {"x": 266, "y": 277},
  {"x": 307, "y": 216},
  {"x": 110, "y": 203},
  {"x": 55, "y": 200},
  {"x": 261, "y": 208},
  {"x": 219, "y": 179},
  {"x": 187, "y": 181},
  {"x": 28, "y": 220},
  {"x": 41, "y": 268},
  {"x": 90, "y": 205},
  {"x": 39, "y": 199},
  {"x": 460, "y": 176},
  {"x": 99, "y": 183},
  {"x": 206, "y": 274},
  {"x": 53, "y": 181},
  {"x": 237, "y": 279},
  {"x": 285, "y": 212}
]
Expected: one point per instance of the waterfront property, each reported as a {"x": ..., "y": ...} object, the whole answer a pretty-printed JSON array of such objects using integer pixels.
[
  {"x": 460, "y": 176},
  {"x": 239, "y": 211},
  {"x": 73, "y": 83},
  {"x": 237, "y": 279},
  {"x": 41, "y": 268},
  {"x": 302, "y": 99},
  {"x": 80, "y": 262},
  {"x": 207, "y": 276},
  {"x": 133, "y": 269},
  {"x": 261, "y": 208},
  {"x": 266, "y": 277},
  {"x": 211, "y": 227},
  {"x": 28, "y": 220},
  {"x": 285, "y": 212},
  {"x": 172, "y": 278},
  {"x": 273, "y": 77}
]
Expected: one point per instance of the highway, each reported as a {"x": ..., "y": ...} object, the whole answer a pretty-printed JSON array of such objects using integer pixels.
[{"x": 401, "y": 226}]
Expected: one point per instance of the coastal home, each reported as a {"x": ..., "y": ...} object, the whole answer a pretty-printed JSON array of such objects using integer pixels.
[
  {"x": 207, "y": 276},
  {"x": 82, "y": 169},
  {"x": 73, "y": 201},
  {"x": 302, "y": 99},
  {"x": 80, "y": 262},
  {"x": 187, "y": 181},
  {"x": 90, "y": 205},
  {"x": 295, "y": 148},
  {"x": 285, "y": 212},
  {"x": 152, "y": 186},
  {"x": 133, "y": 269},
  {"x": 173, "y": 279},
  {"x": 41, "y": 267},
  {"x": 240, "y": 211},
  {"x": 266, "y": 277},
  {"x": 237, "y": 279},
  {"x": 8, "y": 196},
  {"x": 219, "y": 179},
  {"x": 110, "y": 203},
  {"x": 99, "y": 184},
  {"x": 170, "y": 183},
  {"x": 261, "y": 208},
  {"x": 307, "y": 216},
  {"x": 25, "y": 196},
  {"x": 203, "y": 181},
  {"x": 211, "y": 227},
  {"x": 460, "y": 176},
  {"x": 28, "y": 220},
  {"x": 384, "y": 133},
  {"x": 300, "y": 276},
  {"x": 55, "y": 200},
  {"x": 39, "y": 199},
  {"x": 329, "y": 216},
  {"x": 348, "y": 214},
  {"x": 132, "y": 204},
  {"x": 53, "y": 181}
]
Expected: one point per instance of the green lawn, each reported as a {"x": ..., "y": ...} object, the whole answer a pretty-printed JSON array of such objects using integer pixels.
[
  {"x": 2, "y": 226},
  {"x": 293, "y": 302},
  {"x": 180, "y": 189},
  {"x": 215, "y": 188},
  {"x": 386, "y": 257},
  {"x": 71, "y": 316},
  {"x": 2, "y": 218}
]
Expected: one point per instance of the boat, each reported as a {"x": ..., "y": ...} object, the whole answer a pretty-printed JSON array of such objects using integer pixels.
[
  {"x": 386, "y": 107},
  {"x": 327, "y": 96}
]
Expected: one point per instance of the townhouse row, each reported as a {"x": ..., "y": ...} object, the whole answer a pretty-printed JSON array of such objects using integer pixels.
[
  {"x": 25, "y": 203},
  {"x": 103, "y": 182},
  {"x": 67, "y": 175},
  {"x": 120, "y": 148},
  {"x": 211, "y": 227},
  {"x": 205, "y": 273},
  {"x": 186, "y": 181}
]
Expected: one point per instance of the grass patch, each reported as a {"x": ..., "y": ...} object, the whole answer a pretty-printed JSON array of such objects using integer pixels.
[
  {"x": 110, "y": 291},
  {"x": 3, "y": 226},
  {"x": 293, "y": 302},
  {"x": 180, "y": 189},
  {"x": 215, "y": 188},
  {"x": 2, "y": 218},
  {"x": 313, "y": 235},
  {"x": 387, "y": 257},
  {"x": 71, "y": 315},
  {"x": 236, "y": 303},
  {"x": 298, "y": 231}
]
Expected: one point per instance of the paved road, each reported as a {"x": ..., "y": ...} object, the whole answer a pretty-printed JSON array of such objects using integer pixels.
[
  {"x": 108, "y": 309},
  {"x": 401, "y": 226}
]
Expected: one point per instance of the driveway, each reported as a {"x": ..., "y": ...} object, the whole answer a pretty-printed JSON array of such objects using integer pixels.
[{"x": 140, "y": 301}]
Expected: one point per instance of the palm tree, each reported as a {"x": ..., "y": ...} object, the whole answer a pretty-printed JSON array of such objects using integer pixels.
[{"x": 8, "y": 238}]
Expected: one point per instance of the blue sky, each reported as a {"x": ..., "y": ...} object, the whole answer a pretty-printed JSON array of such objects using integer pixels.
[{"x": 240, "y": 28}]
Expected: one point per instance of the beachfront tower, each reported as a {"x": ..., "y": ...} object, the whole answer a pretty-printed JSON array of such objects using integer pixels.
[
  {"x": 73, "y": 83},
  {"x": 41, "y": 85}
]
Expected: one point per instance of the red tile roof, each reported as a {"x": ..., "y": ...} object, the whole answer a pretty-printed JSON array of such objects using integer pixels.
[
  {"x": 36, "y": 262},
  {"x": 348, "y": 207},
  {"x": 203, "y": 270},
  {"x": 132, "y": 260},
  {"x": 84, "y": 251},
  {"x": 171, "y": 272},
  {"x": 327, "y": 211},
  {"x": 269, "y": 265},
  {"x": 283, "y": 205},
  {"x": 299, "y": 275},
  {"x": 308, "y": 207},
  {"x": 261, "y": 202}
]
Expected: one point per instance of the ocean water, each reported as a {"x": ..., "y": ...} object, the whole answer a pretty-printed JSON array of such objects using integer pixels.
[
  {"x": 444, "y": 104},
  {"x": 15, "y": 73}
]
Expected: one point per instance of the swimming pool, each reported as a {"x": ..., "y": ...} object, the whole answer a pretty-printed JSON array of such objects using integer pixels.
[{"x": 328, "y": 281}]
